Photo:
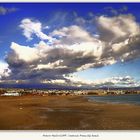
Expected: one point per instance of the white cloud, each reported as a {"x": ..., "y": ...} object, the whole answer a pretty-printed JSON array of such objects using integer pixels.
[
  {"x": 57, "y": 81},
  {"x": 113, "y": 29},
  {"x": 78, "y": 81},
  {"x": 126, "y": 81},
  {"x": 78, "y": 40},
  {"x": 93, "y": 48},
  {"x": 72, "y": 34},
  {"x": 4, "y": 70},
  {"x": 46, "y": 27},
  {"x": 33, "y": 28},
  {"x": 54, "y": 65},
  {"x": 25, "y": 53},
  {"x": 121, "y": 35}
]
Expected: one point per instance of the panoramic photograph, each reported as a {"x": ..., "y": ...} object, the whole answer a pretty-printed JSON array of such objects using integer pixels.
[{"x": 70, "y": 66}]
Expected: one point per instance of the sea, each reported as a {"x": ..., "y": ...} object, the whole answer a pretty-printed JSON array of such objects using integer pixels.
[{"x": 117, "y": 99}]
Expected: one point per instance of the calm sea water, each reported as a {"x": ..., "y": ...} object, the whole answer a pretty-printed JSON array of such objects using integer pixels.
[{"x": 120, "y": 99}]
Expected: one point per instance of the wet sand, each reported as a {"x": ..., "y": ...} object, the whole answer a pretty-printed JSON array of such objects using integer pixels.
[{"x": 65, "y": 113}]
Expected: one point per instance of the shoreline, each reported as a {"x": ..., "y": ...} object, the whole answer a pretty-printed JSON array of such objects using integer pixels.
[
  {"x": 66, "y": 113},
  {"x": 111, "y": 102}
]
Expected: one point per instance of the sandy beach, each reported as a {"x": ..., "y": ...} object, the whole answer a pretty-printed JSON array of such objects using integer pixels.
[{"x": 65, "y": 113}]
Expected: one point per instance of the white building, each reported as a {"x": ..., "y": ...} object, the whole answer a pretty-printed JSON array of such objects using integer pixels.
[{"x": 11, "y": 94}]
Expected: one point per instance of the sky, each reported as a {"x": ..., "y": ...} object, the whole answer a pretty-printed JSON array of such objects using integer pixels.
[{"x": 90, "y": 45}]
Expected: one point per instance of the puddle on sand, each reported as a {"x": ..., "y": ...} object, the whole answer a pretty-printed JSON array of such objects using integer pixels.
[
  {"x": 52, "y": 110},
  {"x": 47, "y": 109}
]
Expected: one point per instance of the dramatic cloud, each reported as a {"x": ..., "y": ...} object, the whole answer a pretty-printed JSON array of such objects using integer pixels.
[
  {"x": 116, "y": 29},
  {"x": 4, "y": 10},
  {"x": 78, "y": 40},
  {"x": 73, "y": 49},
  {"x": 122, "y": 36}
]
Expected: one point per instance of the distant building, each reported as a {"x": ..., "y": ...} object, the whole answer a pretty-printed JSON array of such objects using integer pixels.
[{"x": 11, "y": 94}]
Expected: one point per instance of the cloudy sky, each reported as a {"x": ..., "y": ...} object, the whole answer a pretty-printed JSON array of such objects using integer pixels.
[{"x": 79, "y": 45}]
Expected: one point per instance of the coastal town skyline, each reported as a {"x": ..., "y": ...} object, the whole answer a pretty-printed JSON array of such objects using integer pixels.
[{"x": 78, "y": 45}]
